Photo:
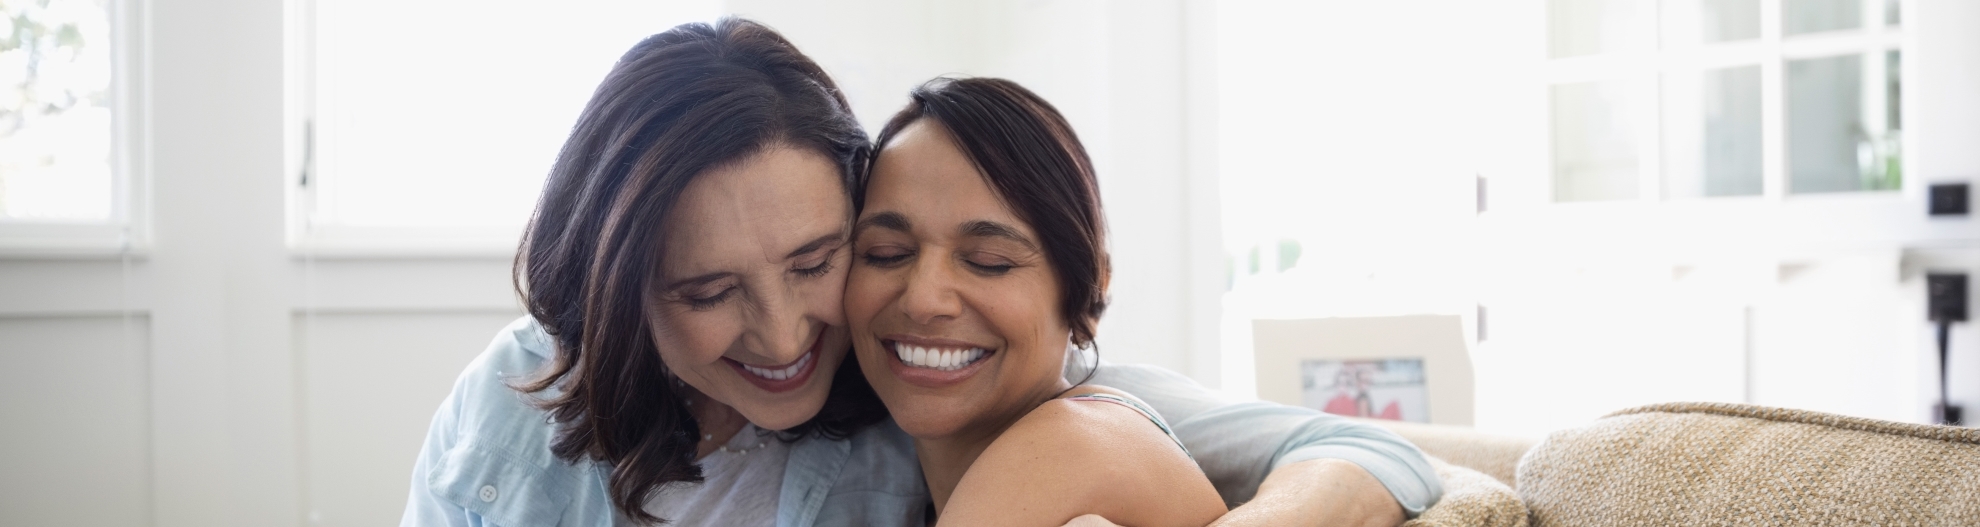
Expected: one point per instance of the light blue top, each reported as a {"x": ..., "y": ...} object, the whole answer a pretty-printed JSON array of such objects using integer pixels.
[{"x": 487, "y": 460}]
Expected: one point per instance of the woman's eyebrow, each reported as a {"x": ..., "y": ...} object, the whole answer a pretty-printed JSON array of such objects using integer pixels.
[
  {"x": 813, "y": 245},
  {"x": 991, "y": 229},
  {"x": 695, "y": 281},
  {"x": 892, "y": 221}
]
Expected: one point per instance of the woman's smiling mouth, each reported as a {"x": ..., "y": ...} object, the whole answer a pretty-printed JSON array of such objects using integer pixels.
[
  {"x": 934, "y": 363},
  {"x": 937, "y": 358},
  {"x": 782, "y": 377},
  {"x": 783, "y": 373}
]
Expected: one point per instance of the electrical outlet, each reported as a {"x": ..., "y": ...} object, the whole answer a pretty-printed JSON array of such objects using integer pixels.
[
  {"x": 1945, "y": 296},
  {"x": 1951, "y": 199}
]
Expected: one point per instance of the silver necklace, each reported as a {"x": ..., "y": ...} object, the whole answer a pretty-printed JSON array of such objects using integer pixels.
[{"x": 738, "y": 451}]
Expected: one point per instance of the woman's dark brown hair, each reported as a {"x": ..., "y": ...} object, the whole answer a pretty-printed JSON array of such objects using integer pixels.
[
  {"x": 1029, "y": 154},
  {"x": 678, "y": 104}
]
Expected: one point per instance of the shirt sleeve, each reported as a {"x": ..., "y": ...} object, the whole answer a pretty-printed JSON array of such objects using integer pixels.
[
  {"x": 424, "y": 508},
  {"x": 1238, "y": 442}
]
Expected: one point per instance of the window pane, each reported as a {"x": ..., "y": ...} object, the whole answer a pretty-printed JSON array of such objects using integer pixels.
[
  {"x": 444, "y": 113},
  {"x": 1829, "y": 148},
  {"x": 1587, "y": 27},
  {"x": 1891, "y": 12},
  {"x": 1809, "y": 16},
  {"x": 1593, "y": 141},
  {"x": 1724, "y": 20},
  {"x": 1890, "y": 147},
  {"x": 55, "y": 129},
  {"x": 1723, "y": 158},
  {"x": 1891, "y": 92}
]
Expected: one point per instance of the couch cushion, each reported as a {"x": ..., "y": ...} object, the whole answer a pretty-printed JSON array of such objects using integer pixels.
[
  {"x": 1730, "y": 464},
  {"x": 1471, "y": 499}
]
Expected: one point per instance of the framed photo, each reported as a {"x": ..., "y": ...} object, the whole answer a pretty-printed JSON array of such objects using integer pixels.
[
  {"x": 1389, "y": 389},
  {"x": 1410, "y": 368}
]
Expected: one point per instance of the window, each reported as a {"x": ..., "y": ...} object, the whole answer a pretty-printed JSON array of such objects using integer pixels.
[
  {"x": 64, "y": 181},
  {"x": 437, "y": 120}
]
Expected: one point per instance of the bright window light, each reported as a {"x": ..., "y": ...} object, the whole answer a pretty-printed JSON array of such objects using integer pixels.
[
  {"x": 441, "y": 113},
  {"x": 55, "y": 112}
]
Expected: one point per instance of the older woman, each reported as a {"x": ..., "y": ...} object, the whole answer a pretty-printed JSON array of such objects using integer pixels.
[{"x": 685, "y": 354}]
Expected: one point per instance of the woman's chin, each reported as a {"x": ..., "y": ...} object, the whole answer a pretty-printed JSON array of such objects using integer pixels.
[
  {"x": 782, "y": 416},
  {"x": 931, "y": 421}
]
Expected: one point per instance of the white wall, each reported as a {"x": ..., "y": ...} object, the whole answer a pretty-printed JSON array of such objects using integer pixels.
[{"x": 1943, "y": 125}]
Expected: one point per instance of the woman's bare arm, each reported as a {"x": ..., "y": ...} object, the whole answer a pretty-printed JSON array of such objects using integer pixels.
[
  {"x": 1069, "y": 458},
  {"x": 1312, "y": 493},
  {"x": 1318, "y": 492}
]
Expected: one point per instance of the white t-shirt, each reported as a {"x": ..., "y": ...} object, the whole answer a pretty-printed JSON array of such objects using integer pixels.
[{"x": 740, "y": 488}]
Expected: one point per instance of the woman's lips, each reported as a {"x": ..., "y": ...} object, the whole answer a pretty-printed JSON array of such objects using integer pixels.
[
  {"x": 783, "y": 377},
  {"x": 934, "y": 363}
]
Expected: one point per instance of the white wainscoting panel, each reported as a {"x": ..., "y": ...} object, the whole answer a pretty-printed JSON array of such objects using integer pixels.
[
  {"x": 371, "y": 384},
  {"x": 75, "y": 449}
]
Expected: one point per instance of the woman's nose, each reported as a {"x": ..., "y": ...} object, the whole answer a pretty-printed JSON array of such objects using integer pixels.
[
  {"x": 930, "y": 293},
  {"x": 780, "y": 331}
]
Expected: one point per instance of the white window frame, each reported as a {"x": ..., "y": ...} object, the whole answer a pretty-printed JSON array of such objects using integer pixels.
[
  {"x": 127, "y": 231},
  {"x": 309, "y": 238}
]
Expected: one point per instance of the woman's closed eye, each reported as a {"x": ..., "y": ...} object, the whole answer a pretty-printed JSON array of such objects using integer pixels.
[
  {"x": 885, "y": 256},
  {"x": 988, "y": 265},
  {"x": 818, "y": 268},
  {"x": 715, "y": 296}
]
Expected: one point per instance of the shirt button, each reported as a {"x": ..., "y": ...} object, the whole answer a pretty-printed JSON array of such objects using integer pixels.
[{"x": 488, "y": 493}]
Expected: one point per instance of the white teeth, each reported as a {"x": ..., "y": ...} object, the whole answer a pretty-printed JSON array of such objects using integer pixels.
[
  {"x": 783, "y": 373},
  {"x": 937, "y": 359}
]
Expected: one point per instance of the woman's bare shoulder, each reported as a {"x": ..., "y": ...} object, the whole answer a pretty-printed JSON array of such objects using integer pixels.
[{"x": 1072, "y": 457}]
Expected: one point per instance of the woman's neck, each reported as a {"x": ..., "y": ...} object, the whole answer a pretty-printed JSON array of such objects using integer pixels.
[
  {"x": 945, "y": 460},
  {"x": 718, "y": 422}
]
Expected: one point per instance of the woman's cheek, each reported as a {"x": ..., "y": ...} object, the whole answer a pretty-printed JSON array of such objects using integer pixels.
[
  {"x": 701, "y": 337},
  {"x": 826, "y": 298},
  {"x": 861, "y": 298}
]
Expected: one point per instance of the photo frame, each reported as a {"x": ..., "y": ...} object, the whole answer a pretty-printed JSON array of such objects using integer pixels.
[{"x": 1409, "y": 368}]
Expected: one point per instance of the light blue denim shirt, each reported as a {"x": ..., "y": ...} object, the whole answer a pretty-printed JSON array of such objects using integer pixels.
[{"x": 487, "y": 460}]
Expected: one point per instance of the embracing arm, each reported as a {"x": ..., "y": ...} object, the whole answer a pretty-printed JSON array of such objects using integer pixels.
[
  {"x": 1069, "y": 458},
  {"x": 1278, "y": 463},
  {"x": 1322, "y": 492}
]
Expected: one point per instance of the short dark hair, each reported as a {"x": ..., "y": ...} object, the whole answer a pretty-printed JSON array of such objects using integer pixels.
[
  {"x": 678, "y": 104},
  {"x": 1030, "y": 155}
]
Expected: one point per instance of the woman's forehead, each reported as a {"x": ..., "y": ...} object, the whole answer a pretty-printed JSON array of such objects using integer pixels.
[
  {"x": 759, "y": 209},
  {"x": 924, "y": 176}
]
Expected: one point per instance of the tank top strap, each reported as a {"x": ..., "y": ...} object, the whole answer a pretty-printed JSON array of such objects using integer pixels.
[{"x": 1138, "y": 407}]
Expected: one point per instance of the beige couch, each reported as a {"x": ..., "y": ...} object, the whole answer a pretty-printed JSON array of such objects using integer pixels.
[{"x": 1707, "y": 464}]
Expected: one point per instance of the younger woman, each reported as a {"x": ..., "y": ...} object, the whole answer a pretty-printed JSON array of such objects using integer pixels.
[{"x": 980, "y": 262}]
